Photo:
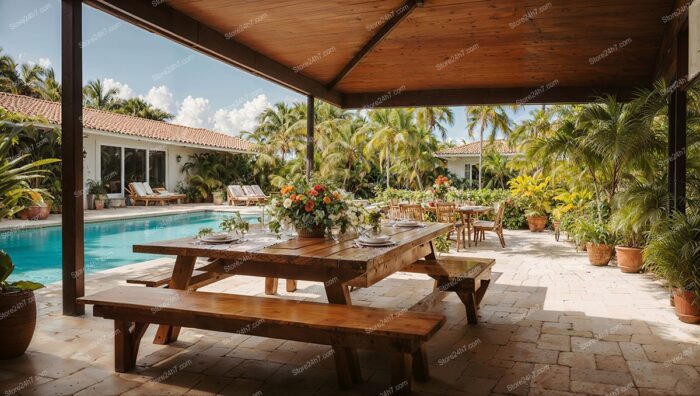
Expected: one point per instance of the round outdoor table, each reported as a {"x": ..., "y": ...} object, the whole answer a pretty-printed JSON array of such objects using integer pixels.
[{"x": 467, "y": 214}]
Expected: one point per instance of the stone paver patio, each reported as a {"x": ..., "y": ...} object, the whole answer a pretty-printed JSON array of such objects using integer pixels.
[{"x": 550, "y": 325}]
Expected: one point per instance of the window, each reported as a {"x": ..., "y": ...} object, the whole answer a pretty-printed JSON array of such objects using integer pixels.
[
  {"x": 111, "y": 168},
  {"x": 156, "y": 168},
  {"x": 134, "y": 165}
]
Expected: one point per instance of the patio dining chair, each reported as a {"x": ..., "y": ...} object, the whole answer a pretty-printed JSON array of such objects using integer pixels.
[
  {"x": 411, "y": 212},
  {"x": 447, "y": 213},
  {"x": 496, "y": 226}
]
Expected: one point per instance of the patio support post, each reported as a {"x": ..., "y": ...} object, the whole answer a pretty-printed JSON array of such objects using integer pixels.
[
  {"x": 677, "y": 116},
  {"x": 72, "y": 156},
  {"x": 309, "y": 136}
]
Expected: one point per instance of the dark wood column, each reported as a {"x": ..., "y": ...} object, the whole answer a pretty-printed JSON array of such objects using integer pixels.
[
  {"x": 309, "y": 136},
  {"x": 677, "y": 127},
  {"x": 72, "y": 155}
]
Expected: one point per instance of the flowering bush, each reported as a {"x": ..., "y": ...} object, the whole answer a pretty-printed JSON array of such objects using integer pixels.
[
  {"x": 312, "y": 206},
  {"x": 441, "y": 187}
]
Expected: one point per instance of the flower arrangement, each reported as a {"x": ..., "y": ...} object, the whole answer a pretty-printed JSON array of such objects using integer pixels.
[
  {"x": 441, "y": 187},
  {"x": 313, "y": 209},
  {"x": 235, "y": 224}
]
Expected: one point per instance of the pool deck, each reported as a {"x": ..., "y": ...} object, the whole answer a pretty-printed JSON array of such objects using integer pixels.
[
  {"x": 550, "y": 324},
  {"x": 128, "y": 213}
]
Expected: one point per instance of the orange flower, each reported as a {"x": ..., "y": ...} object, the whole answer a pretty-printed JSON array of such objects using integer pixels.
[
  {"x": 286, "y": 190},
  {"x": 312, "y": 193},
  {"x": 326, "y": 200},
  {"x": 309, "y": 207},
  {"x": 336, "y": 195},
  {"x": 293, "y": 197}
]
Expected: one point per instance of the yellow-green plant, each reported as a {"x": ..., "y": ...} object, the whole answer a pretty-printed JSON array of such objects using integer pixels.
[
  {"x": 534, "y": 192},
  {"x": 570, "y": 201}
]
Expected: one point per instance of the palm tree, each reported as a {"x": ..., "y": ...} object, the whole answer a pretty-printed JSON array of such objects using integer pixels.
[
  {"x": 137, "y": 107},
  {"x": 97, "y": 97},
  {"x": 387, "y": 127},
  {"x": 498, "y": 168},
  {"x": 434, "y": 118},
  {"x": 491, "y": 118}
]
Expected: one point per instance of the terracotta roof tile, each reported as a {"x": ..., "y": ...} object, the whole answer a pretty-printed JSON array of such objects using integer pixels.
[
  {"x": 473, "y": 148},
  {"x": 127, "y": 125}
]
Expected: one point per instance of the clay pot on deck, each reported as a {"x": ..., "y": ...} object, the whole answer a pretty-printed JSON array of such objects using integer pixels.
[
  {"x": 316, "y": 232},
  {"x": 17, "y": 322},
  {"x": 536, "y": 223},
  {"x": 35, "y": 213},
  {"x": 686, "y": 310},
  {"x": 99, "y": 204},
  {"x": 629, "y": 259},
  {"x": 599, "y": 254}
]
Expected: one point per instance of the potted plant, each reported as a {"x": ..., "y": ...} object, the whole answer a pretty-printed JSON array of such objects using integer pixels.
[
  {"x": 97, "y": 194},
  {"x": 632, "y": 239},
  {"x": 235, "y": 224},
  {"x": 441, "y": 187},
  {"x": 313, "y": 210},
  {"x": 535, "y": 194},
  {"x": 569, "y": 203},
  {"x": 18, "y": 310},
  {"x": 219, "y": 197},
  {"x": 673, "y": 254},
  {"x": 598, "y": 238},
  {"x": 34, "y": 206}
]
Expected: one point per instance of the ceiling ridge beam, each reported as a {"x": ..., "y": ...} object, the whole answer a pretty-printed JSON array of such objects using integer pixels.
[
  {"x": 161, "y": 19},
  {"x": 398, "y": 15}
]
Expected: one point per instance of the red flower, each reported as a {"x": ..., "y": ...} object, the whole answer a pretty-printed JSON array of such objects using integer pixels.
[
  {"x": 319, "y": 188},
  {"x": 312, "y": 193},
  {"x": 309, "y": 207}
]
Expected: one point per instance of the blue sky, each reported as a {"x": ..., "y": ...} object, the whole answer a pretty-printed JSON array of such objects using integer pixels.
[{"x": 199, "y": 90}]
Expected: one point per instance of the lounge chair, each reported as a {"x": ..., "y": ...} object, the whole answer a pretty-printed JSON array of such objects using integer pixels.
[
  {"x": 260, "y": 192},
  {"x": 236, "y": 195},
  {"x": 163, "y": 192},
  {"x": 138, "y": 193},
  {"x": 250, "y": 192}
]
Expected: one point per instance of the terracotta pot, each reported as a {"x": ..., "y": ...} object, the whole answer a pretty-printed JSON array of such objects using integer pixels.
[
  {"x": 599, "y": 254},
  {"x": 629, "y": 259},
  {"x": 17, "y": 323},
  {"x": 35, "y": 213},
  {"x": 99, "y": 204},
  {"x": 686, "y": 310},
  {"x": 536, "y": 223},
  {"x": 316, "y": 232},
  {"x": 219, "y": 199}
]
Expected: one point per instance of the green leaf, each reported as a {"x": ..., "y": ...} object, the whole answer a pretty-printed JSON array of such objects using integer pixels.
[
  {"x": 26, "y": 285},
  {"x": 6, "y": 266}
]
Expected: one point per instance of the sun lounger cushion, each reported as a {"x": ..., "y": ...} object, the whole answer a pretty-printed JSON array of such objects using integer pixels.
[
  {"x": 258, "y": 190},
  {"x": 139, "y": 189},
  {"x": 237, "y": 191},
  {"x": 149, "y": 190}
]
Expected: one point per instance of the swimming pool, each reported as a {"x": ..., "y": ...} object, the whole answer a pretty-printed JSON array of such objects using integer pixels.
[{"x": 108, "y": 244}]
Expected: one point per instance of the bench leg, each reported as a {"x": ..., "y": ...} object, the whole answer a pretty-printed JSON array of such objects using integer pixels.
[
  {"x": 338, "y": 293},
  {"x": 421, "y": 370},
  {"x": 182, "y": 273},
  {"x": 291, "y": 285},
  {"x": 271, "y": 286},
  {"x": 342, "y": 367},
  {"x": 469, "y": 301},
  {"x": 401, "y": 373},
  {"x": 127, "y": 337}
]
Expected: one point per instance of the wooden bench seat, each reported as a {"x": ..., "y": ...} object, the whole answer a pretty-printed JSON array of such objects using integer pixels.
[
  {"x": 469, "y": 277},
  {"x": 199, "y": 279},
  {"x": 402, "y": 333}
]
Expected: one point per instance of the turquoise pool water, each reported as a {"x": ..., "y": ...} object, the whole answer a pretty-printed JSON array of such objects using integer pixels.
[{"x": 37, "y": 252}]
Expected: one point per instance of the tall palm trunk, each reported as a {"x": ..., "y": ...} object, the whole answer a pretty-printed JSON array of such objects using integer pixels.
[
  {"x": 481, "y": 151},
  {"x": 387, "y": 166}
]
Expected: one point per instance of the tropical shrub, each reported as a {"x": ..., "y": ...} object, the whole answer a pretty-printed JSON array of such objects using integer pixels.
[
  {"x": 534, "y": 193},
  {"x": 673, "y": 252}
]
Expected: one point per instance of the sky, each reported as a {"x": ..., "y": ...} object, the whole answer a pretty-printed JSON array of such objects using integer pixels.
[{"x": 200, "y": 91}]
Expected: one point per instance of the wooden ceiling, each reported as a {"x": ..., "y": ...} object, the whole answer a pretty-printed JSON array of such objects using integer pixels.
[{"x": 432, "y": 52}]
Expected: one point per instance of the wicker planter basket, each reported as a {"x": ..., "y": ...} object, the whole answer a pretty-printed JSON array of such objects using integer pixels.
[
  {"x": 599, "y": 255},
  {"x": 316, "y": 232},
  {"x": 536, "y": 223}
]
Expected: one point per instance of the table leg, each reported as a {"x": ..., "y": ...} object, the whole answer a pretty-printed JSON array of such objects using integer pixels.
[
  {"x": 338, "y": 293},
  {"x": 182, "y": 273}
]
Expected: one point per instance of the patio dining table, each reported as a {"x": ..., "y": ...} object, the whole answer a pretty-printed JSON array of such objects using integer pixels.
[
  {"x": 467, "y": 213},
  {"x": 337, "y": 263}
]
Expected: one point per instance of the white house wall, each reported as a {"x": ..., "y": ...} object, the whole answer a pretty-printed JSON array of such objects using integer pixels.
[{"x": 173, "y": 174}]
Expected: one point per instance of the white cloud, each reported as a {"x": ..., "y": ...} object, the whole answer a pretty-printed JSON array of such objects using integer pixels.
[
  {"x": 125, "y": 92},
  {"x": 192, "y": 112},
  {"x": 161, "y": 98},
  {"x": 240, "y": 119},
  {"x": 45, "y": 62}
]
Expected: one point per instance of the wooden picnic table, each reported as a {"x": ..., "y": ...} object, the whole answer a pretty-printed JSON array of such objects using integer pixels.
[
  {"x": 338, "y": 264},
  {"x": 467, "y": 213}
]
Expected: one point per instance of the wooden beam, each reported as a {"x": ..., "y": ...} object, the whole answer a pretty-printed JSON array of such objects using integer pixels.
[
  {"x": 181, "y": 28},
  {"x": 677, "y": 127},
  {"x": 309, "y": 136},
  {"x": 481, "y": 96},
  {"x": 675, "y": 21},
  {"x": 72, "y": 156},
  {"x": 398, "y": 15}
]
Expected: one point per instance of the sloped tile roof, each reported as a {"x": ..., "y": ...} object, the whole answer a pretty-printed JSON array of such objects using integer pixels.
[
  {"x": 127, "y": 125},
  {"x": 473, "y": 148}
]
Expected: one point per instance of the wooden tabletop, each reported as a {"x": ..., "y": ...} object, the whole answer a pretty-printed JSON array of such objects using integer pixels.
[{"x": 343, "y": 253}]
